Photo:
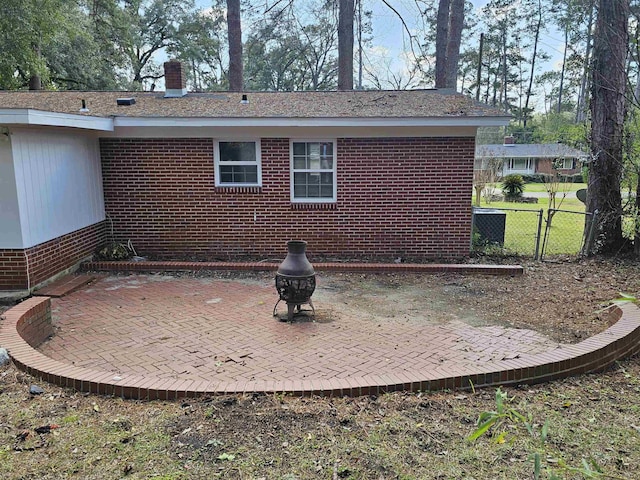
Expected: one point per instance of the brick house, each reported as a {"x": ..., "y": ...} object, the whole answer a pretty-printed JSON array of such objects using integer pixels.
[
  {"x": 531, "y": 158},
  {"x": 222, "y": 175}
]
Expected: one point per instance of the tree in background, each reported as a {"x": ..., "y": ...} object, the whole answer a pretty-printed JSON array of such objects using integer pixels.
[
  {"x": 200, "y": 43},
  {"x": 608, "y": 104},
  {"x": 26, "y": 27},
  {"x": 150, "y": 26},
  {"x": 294, "y": 50}
]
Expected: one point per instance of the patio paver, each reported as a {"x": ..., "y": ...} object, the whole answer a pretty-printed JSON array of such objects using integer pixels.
[
  {"x": 209, "y": 329},
  {"x": 159, "y": 336}
]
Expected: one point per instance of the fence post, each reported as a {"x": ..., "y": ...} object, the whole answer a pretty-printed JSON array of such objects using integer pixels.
[
  {"x": 473, "y": 223},
  {"x": 546, "y": 231},
  {"x": 538, "y": 232},
  {"x": 590, "y": 234}
]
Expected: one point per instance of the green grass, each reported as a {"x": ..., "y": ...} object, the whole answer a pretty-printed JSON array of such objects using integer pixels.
[
  {"x": 540, "y": 187},
  {"x": 521, "y": 228}
]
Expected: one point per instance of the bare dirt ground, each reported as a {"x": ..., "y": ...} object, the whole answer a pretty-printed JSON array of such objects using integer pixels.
[
  {"x": 564, "y": 300},
  {"x": 397, "y": 436}
]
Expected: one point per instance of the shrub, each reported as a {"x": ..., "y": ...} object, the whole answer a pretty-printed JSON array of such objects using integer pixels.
[
  {"x": 512, "y": 186},
  {"x": 113, "y": 251},
  {"x": 585, "y": 174},
  {"x": 533, "y": 178}
]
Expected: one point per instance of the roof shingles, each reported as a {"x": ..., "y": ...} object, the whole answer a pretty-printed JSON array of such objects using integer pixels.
[{"x": 346, "y": 104}]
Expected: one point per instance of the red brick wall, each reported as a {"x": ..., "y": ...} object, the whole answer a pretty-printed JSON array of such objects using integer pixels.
[
  {"x": 545, "y": 165},
  {"x": 406, "y": 197},
  {"x": 174, "y": 77},
  {"x": 49, "y": 258},
  {"x": 13, "y": 269}
]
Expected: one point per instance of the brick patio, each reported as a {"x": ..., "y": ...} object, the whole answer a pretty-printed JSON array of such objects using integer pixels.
[{"x": 159, "y": 336}]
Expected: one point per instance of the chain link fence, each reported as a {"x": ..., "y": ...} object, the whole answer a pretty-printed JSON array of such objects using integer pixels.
[
  {"x": 527, "y": 232},
  {"x": 567, "y": 233}
]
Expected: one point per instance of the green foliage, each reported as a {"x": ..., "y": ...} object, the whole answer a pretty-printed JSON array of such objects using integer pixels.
[
  {"x": 512, "y": 186},
  {"x": 497, "y": 417},
  {"x": 26, "y": 28},
  {"x": 200, "y": 40},
  {"x": 507, "y": 418},
  {"x": 625, "y": 298}
]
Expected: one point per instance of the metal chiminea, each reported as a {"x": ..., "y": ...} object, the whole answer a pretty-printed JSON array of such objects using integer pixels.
[{"x": 295, "y": 279}]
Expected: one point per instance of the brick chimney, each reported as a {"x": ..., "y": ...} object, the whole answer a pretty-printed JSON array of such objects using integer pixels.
[
  {"x": 174, "y": 79},
  {"x": 509, "y": 140}
]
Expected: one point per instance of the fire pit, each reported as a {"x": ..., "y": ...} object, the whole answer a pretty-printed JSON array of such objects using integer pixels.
[{"x": 295, "y": 279}]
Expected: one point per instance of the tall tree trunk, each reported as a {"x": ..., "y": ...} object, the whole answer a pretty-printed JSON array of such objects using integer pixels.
[
  {"x": 533, "y": 65},
  {"x": 234, "y": 32},
  {"x": 479, "y": 74},
  {"x": 504, "y": 70},
  {"x": 607, "y": 121},
  {"x": 456, "y": 24},
  {"x": 360, "y": 64},
  {"x": 564, "y": 62},
  {"x": 584, "y": 82},
  {"x": 442, "y": 35},
  {"x": 345, "y": 45}
]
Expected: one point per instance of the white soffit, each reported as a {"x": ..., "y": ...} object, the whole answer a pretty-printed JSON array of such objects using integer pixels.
[{"x": 54, "y": 119}]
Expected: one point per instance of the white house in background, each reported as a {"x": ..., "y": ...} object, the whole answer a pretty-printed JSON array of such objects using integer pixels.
[{"x": 530, "y": 158}]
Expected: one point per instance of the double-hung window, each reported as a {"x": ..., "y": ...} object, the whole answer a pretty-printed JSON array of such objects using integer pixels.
[
  {"x": 565, "y": 163},
  {"x": 237, "y": 164},
  {"x": 520, "y": 164},
  {"x": 313, "y": 171}
]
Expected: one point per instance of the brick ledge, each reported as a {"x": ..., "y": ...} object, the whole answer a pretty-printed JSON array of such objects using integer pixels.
[
  {"x": 162, "y": 266},
  {"x": 595, "y": 354}
]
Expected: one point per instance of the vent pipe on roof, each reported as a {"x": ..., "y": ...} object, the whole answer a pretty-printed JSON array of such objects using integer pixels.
[
  {"x": 84, "y": 108},
  {"x": 244, "y": 100},
  {"x": 175, "y": 79}
]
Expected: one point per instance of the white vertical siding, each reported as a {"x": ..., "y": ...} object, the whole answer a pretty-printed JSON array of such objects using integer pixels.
[
  {"x": 10, "y": 232},
  {"x": 59, "y": 183}
]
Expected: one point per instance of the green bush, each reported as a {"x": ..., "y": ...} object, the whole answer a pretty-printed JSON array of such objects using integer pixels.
[
  {"x": 584, "y": 176},
  {"x": 512, "y": 186},
  {"x": 533, "y": 178}
]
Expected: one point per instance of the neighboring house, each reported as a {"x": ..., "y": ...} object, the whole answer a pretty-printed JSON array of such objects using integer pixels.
[
  {"x": 530, "y": 158},
  {"x": 228, "y": 176}
]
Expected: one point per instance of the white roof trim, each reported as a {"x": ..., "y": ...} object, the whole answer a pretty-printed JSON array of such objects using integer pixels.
[
  {"x": 54, "y": 119},
  {"x": 310, "y": 122},
  {"x": 28, "y": 116}
]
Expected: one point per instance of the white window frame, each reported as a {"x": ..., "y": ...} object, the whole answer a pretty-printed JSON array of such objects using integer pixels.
[
  {"x": 218, "y": 163},
  {"x": 564, "y": 163},
  {"x": 334, "y": 170},
  {"x": 528, "y": 163}
]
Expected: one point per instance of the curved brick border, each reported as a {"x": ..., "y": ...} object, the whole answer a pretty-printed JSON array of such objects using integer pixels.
[
  {"x": 26, "y": 325},
  {"x": 161, "y": 266}
]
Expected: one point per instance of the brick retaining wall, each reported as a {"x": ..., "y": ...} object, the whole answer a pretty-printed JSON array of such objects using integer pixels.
[{"x": 19, "y": 333}]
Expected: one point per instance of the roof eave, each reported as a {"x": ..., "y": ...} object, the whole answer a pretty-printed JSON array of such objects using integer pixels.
[
  {"x": 31, "y": 117},
  {"x": 461, "y": 121}
]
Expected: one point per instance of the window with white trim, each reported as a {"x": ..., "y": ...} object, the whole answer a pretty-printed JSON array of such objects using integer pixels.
[
  {"x": 313, "y": 171},
  {"x": 237, "y": 164},
  {"x": 565, "y": 163},
  {"x": 520, "y": 164}
]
